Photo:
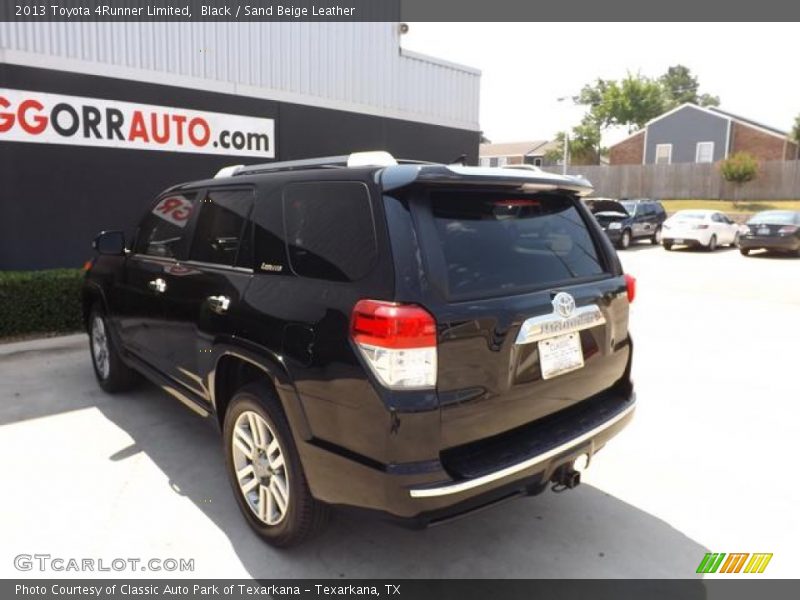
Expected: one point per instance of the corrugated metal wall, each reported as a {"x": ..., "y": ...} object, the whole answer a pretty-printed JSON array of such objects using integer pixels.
[{"x": 356, "y": 66}]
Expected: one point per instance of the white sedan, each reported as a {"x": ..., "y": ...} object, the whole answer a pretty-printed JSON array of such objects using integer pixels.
[{"x": 705, "y": 228}]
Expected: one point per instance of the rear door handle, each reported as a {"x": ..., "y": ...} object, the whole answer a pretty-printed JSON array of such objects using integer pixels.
[
  {"x": 219, "y": 304},
  {"x": 158, "y": 285}
]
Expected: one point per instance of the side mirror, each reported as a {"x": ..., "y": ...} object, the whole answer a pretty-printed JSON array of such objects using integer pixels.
[{"x": 110, "y": 242}]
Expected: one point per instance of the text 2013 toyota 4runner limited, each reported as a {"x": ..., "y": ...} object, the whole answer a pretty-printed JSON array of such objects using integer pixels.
[{"x": 415, "y": 340}]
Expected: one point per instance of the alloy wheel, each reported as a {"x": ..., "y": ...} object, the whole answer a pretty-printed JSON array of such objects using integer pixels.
[
  {"x": 260, "y": 468},
  {"x": 100, "y": 347}
]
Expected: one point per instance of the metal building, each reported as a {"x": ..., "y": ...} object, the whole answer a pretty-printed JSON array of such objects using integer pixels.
[{"x": 96, "y": 118}]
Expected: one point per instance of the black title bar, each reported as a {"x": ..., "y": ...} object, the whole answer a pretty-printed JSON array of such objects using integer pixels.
[{"x": 400, "y": 10}]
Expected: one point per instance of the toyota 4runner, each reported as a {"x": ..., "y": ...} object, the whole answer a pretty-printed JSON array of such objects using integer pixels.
[{"x": 415, "y": 340}]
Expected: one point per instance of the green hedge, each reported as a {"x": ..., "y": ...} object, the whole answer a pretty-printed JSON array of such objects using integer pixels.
[{"x": 40, "y": 301}]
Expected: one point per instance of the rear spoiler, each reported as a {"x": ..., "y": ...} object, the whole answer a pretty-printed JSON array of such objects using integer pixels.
[{"x": 396, "y": 177}]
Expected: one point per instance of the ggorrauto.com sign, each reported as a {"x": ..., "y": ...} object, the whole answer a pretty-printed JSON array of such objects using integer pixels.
[{"x": 37, "y": 117}]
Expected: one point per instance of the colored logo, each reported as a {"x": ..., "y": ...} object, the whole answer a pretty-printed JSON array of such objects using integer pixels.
[{"x": 742, "y": 562}]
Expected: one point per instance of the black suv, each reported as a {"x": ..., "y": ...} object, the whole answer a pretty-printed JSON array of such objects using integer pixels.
[
  {"x": 628, "y": 220},
  {"x": 414, "y": 340}
]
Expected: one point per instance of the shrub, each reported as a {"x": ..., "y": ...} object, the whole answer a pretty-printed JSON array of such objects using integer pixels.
[
  {"x": 40, "y": 301},
  {"x": 739, "y": 168}
]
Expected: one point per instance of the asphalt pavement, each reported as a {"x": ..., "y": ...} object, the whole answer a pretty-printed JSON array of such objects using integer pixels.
[{"x": 707, "y": 465}]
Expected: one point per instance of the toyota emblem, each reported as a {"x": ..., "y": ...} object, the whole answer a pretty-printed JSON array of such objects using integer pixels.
[{"x": 563, "y": 304}]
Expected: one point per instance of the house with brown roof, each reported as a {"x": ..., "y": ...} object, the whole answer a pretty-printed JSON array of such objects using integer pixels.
[
  {"x": 691, "y": 133},
  {"x": 517, "y": 153}
]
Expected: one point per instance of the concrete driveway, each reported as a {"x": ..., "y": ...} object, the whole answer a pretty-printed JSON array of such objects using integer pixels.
[{"x": 706, "y": 466}]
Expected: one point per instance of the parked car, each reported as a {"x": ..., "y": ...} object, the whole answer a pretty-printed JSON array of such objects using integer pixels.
[
  {"x": 772, "y": 230},
  {"x": 703, "y": 228},
  {"x": 413, "y": 340},
  {"x": 629, "y": 220}
]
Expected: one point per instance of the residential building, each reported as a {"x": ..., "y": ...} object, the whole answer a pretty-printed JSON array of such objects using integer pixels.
[
  {"x": 518, "y": 153},
  {"x": 691, "y": 133}
]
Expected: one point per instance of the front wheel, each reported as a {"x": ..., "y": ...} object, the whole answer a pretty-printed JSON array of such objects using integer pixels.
[
  {"x": 625, "y": 240},
  {"x": 112, "y": 374},
  {"x": 712, "y": 243},
  {"x": 744, "y": 251},
  {"x": 667, "y": 245},
  {"x": 265, "y": 471}
]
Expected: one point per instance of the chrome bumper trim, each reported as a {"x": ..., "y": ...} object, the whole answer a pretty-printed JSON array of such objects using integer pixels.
[
  {"x": 462, "y": 486},
  {"x": 546, "y": 326}
]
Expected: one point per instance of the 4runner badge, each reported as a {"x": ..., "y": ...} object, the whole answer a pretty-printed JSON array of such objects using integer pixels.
[
  {"x": 275, "y": 268},
  {"x": 563, "y": 305}
]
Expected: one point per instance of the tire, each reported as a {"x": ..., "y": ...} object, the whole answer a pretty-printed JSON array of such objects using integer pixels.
[
  {"x": 712, "y": 243},
  {"x": 744, "y": 251},
  {"x": 112, "y": 374},
  {"x": 656, "y": 239},
  {"x": 735, "y": 242},
  {"x": 625, "y": 240},
  {"x": 667, "y": 245},
  {"x": 278, "y": 506}
]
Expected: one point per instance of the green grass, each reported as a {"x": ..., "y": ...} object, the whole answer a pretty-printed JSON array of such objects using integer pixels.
[{"x": 743, "y": 206}]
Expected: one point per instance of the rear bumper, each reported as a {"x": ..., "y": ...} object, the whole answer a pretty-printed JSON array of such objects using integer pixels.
[
  {"x": 789, "y": 243},
  {"x": 464, "y": 480},
  {"x": 687, "y": 239}
]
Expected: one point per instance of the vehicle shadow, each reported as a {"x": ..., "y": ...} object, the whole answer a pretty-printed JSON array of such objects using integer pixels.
[
  {"x": 702, "y": 250},
  {"x": 583, "y": 533},
  {"x": 639, "y": 247},
  {"x": 769, "y": 254}
]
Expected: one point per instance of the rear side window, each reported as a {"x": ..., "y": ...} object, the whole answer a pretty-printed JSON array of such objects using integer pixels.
[
  {"x": 494, "y": 244},
  {"x": 161, "y": 232},
  {"x": 330, "y": 231},
  {"x": 220, "y": 226}
]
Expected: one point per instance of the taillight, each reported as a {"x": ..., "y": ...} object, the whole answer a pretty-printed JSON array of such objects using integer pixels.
[
  {"x": 788, "y": 229},
  {"x": 630, "y": 284},
  {"x": 398, "y": 342}
]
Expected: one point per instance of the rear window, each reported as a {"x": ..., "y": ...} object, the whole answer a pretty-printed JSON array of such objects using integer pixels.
[
  {"x": 687, "y": 214},
  {"x": 499, "y": 244},
  {"x": 776, "y": 218}
]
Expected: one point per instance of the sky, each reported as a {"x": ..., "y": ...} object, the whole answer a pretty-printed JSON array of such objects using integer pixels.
[{"x": 527, "y": 66}]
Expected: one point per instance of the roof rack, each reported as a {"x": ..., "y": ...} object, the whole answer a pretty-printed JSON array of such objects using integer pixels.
[{"x": 356, "y": 159}]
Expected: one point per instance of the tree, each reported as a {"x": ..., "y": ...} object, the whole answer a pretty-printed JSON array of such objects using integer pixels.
[
  {"x": 680, "y": 86},
  {"x": 629, "y": 103},
  {"x": 739, "y": 168},
  {"x": 584, "y": 144},
  {"x": 794, "y": 136},
  {"x": 636, "y": 99}
]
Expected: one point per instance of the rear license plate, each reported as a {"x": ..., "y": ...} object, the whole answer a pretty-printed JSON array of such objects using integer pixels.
[
  {"x": 560, "y": 354},
  {"x": 763, "y": 231},
  {"x": 678, "y": 241}
]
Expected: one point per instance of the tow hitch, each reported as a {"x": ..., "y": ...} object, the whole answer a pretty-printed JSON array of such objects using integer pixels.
[{"x": 568, "y": 476}]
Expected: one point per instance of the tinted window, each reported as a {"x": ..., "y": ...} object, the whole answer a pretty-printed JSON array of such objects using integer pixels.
[
  {"x": 494, "y": 244},
  {"x": 777, "y": 217},
  {"x": 330, "y": 233},
  {"x": 220, "y": 226},
  {"x": 161, "y": 232}
]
